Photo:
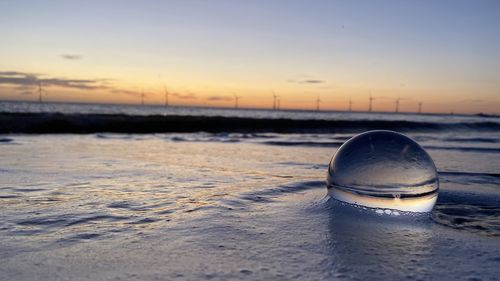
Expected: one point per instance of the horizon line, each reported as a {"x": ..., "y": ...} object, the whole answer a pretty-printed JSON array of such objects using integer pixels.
[{"x": 251, "y": 108}]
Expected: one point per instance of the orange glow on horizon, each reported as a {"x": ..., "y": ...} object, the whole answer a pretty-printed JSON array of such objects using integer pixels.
[{"x": 293, "y": 98}]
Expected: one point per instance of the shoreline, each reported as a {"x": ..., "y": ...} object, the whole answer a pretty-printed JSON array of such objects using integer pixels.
[{"x": 56, "y": 123}]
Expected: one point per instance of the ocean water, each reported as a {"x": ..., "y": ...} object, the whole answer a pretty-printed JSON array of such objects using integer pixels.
[
  {"x": 141, "y": 110},
  {"x": 225, "y": 206}
]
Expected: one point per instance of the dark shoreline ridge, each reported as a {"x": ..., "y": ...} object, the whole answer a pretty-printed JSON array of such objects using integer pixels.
[{"x": 54, "y": 123}]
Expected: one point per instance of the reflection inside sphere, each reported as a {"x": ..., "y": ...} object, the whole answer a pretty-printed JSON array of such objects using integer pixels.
[{"x": 384, "y": 169}]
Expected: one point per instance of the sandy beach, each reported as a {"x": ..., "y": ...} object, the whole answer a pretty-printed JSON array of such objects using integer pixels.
[{"x": 233, "y": 206}]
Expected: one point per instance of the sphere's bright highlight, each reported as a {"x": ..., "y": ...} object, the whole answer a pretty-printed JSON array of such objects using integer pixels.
[{"x": 384, "y": 169}]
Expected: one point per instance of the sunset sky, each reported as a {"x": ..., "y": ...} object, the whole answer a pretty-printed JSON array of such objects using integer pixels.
[{"x": 445, "y": 54}]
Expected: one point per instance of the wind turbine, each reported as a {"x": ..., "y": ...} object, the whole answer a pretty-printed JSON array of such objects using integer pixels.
[
  {"x": 397, "y": 100},
  {"x": 274, "y": 100},
  {"x": 350, "y": 104},
  {"x": 318, "y": 101},
  {"x": 40, "y": 91},
  {"x": 142, "y": 97},
  {"x": 370, "y": 99},
  {"x": 278, "y": 106},
  {"x": 419, "y": 107},
  {"x": 236, "y": 98}
]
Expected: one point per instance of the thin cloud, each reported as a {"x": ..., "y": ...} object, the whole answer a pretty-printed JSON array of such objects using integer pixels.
[
  {"x": 74, "y": 83},
  {"x": 185, "y": 96},
  {"x": 27, "y": 83},
  {"x": 220, "y": 98},
  {"x": 125, "y": 92},
  {"x": 306, "y": 81},
  {"x": 312, "y": 81},
  {"x": 18, "y": 78},
  {"x": 12, "y": 73},
  {"x": 71, "y": 57},
  {"x": 136, "y": 93},
  {"x": 30, "y": 79}
]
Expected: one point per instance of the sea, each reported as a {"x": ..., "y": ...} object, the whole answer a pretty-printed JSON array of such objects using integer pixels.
[{"x": 237, "y": 204}]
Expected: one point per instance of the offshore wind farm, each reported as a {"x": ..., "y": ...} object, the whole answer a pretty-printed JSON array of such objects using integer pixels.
[{"x": 276, "y": 101}]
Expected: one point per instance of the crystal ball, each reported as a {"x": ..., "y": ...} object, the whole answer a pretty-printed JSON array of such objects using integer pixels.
[{"x": 384, "y": 170}]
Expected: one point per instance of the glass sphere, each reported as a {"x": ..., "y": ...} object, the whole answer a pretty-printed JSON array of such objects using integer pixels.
[{"x": 384, "y": 170}]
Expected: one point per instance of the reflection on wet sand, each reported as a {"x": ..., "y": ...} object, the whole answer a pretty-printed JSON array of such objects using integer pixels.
[{"x": 364, "y": 243}]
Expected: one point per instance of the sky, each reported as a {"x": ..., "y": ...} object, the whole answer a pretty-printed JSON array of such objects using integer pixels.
[{"x": 443, "y": 54}]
